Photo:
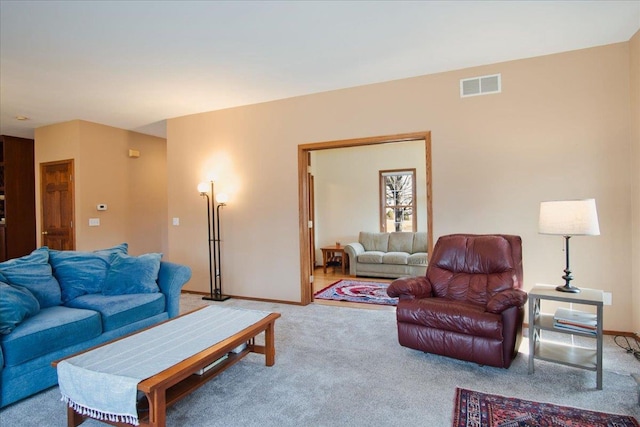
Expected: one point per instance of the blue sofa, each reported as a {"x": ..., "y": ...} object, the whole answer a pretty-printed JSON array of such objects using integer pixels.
[{"x": 56, "y": 303}]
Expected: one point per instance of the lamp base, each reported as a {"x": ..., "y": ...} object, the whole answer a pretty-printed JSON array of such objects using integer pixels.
[
  {"x": 568, "y": 288},
  {"x": 217, "y": 298}
]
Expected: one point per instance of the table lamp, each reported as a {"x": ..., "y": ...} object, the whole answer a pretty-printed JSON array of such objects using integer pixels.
[{"x": 569, "y": 218}]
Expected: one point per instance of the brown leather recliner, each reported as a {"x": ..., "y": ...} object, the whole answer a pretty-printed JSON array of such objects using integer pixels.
[{"x": 470, "y": 304}]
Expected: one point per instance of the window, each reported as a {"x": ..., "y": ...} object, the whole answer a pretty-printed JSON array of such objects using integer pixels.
[{"x": 397, "y": 198}]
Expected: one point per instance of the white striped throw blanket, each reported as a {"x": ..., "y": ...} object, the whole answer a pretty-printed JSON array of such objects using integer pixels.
[{"x": 102, "y": 383}]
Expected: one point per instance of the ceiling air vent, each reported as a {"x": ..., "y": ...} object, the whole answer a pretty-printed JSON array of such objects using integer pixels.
[{"x": 483, "y": 85}]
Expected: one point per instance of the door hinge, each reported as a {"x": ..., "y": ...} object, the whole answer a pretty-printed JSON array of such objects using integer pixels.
[
  {"x": 310, "y": 224},
  {"x": 71, "y": 178},
  {"x": 311, "y": 279},
  {"x": 71, "y": 225}
]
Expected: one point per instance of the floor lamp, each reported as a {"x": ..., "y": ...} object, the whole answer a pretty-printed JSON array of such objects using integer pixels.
[
  {"x": 213, "y": 230},
  {"x": 569, "y": 218}
]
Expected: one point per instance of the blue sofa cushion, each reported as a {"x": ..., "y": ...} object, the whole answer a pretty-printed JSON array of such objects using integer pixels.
[
  {"x": 52, "y": 329},
  {"x": 122, "y": 248},
  {"x": 132, "y": 275},
  {"x": 81, "y": 273},
  {"x": 120, "y": 310},
  {"x": 34, "y": 273},
  {"x": 16, "y": 304}
]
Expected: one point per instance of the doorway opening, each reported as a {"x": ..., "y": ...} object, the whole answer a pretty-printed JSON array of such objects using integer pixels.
[{"x": 305, "y": 191}]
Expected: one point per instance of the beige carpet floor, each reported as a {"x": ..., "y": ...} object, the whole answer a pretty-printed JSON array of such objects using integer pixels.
[{"x": 340, "y": 366}]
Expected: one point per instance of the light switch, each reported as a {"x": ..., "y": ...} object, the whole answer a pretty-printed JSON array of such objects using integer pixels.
[
  {"x": 94, "y": 222},
  {"x": 176, "y": 221}
]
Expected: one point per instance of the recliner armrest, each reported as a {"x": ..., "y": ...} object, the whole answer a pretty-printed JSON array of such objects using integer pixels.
[
  {"x": 507, "y": 299},
  {"x": 410, "y": 288}
]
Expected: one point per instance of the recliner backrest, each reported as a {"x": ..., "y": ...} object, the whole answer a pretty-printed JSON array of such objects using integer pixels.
[{"x": 468, "y": 267}]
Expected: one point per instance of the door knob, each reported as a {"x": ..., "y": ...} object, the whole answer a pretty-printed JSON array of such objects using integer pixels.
[{"x": 45, "y": 232}]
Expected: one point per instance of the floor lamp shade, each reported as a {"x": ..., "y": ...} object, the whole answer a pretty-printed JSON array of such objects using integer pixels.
[{"x": 569, "y": 218}]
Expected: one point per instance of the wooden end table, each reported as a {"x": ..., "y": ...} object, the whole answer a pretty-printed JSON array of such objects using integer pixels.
[{"x": 332, "y": 252}]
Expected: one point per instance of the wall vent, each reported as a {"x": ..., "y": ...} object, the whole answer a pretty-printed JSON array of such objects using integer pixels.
[{"x": 482, "y": 85}]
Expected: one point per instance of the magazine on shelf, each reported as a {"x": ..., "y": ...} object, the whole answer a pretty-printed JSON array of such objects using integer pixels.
[
  {"x": 574, "y": 325},
  {"x": 575, "y": 317},
  {"x": 575, "y": 321},
  {"x": 212, "y": 364},
  {"x": 572, "y": 328}
]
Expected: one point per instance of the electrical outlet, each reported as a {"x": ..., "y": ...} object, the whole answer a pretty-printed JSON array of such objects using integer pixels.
[
  {"x": 94, "y": 222},
  {"x": 176, "y": 221},
  {"x": 606, "y": 298}
]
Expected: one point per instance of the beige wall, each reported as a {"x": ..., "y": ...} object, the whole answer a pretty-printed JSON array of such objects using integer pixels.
[
  {"x": 634, "y": 47},
  {"x": 347, "y": 195},
  {"x": 133, "y": 189},
  {"x": 560, "y": 129},
  {"x": 52, "y": 143},
  {"x": 147, "y": 220}
]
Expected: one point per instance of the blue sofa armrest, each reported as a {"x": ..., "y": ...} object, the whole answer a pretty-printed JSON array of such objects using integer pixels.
[{"x": 171, "y": 279}]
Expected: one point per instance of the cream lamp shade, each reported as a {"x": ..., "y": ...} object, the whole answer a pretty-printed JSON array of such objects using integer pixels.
[
  {"x": 569, "y": 218},
  {"x": 203, "y": 187},
  {"x": 222, "y": 198}
]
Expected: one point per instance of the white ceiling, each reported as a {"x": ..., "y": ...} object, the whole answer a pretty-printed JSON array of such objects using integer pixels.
[{"x": 133, "y": 64}]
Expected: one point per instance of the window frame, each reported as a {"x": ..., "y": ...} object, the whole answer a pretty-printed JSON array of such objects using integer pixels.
[{"x": 383, "y": 196}]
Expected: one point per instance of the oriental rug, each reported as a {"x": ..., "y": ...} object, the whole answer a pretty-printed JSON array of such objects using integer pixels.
[
  {"x": 357, "y": 291},
  {"x": 476, "y": 409}
]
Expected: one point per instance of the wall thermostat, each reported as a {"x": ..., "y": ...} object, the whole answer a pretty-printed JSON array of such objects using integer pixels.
[{"x": 102, "y": 207}]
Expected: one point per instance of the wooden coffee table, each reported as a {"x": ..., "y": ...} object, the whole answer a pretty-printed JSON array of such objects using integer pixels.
[{"x": 169, "y": 386}]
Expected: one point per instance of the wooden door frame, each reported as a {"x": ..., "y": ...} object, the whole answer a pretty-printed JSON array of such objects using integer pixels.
[
  {"x": 312, "y": 219},
  {"x": 306, "y": 296},
  {"x": 71, "y": 164}
]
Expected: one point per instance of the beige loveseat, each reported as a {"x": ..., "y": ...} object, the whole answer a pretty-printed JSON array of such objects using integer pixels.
[{"x": 390, "y": 255}]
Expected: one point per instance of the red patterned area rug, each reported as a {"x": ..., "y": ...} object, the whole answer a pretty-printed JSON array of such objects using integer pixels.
[
  {"x": 489, "y": 410},
  {"x": 357, "y": 291}
]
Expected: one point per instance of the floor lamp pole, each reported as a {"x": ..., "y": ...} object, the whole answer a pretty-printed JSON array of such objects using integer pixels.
[
  {"x": 218, "y": 289},
  {"x": 209, "y": 241},
  {"x": 213, "y": 226}
]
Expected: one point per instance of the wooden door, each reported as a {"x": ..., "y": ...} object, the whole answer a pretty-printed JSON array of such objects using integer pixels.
[
  {"x": 18, "y": 191},
  {"x": 56, "y": 180}
]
